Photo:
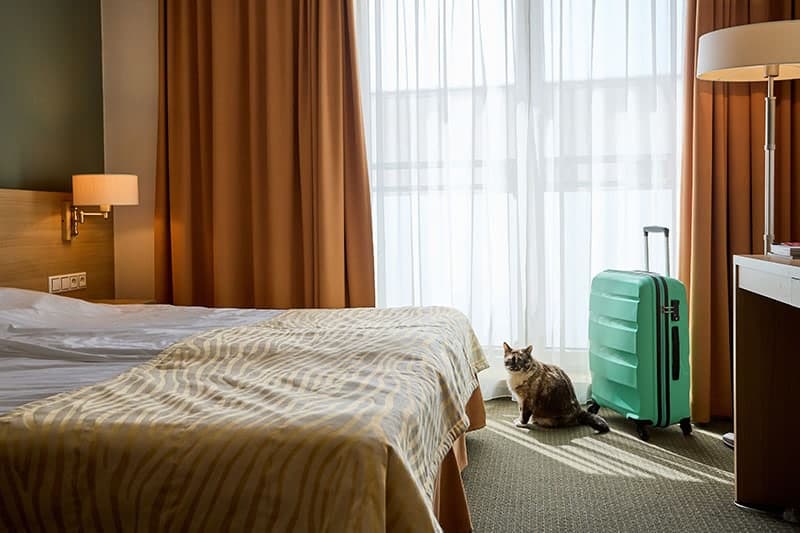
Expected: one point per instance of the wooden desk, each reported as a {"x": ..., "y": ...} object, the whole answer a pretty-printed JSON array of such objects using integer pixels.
[{"x": 766, "y": 387}]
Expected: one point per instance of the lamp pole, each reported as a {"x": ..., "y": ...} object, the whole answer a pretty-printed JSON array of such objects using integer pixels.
[{"x": 770, "y": 72}]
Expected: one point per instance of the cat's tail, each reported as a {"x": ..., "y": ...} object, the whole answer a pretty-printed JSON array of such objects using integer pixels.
[{"x": 590, "y": 419}]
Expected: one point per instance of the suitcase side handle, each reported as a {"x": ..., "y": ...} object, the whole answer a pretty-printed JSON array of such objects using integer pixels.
[
  {"x": 676, "y": 353},
  {"x": 647, "y": 230}
]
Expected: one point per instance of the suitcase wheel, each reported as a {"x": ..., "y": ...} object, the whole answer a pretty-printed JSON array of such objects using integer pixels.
[
  {"x": 641, "y": 430},
  {"x": 592, "y": 407},
  {"x": 686, "y": 426}
]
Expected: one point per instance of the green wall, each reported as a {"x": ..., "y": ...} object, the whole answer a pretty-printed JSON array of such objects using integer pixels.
[{"x": 51, "y": 92}]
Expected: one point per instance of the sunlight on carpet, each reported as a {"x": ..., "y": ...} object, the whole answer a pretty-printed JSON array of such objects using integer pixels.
[{"x": 572, "y": 479}]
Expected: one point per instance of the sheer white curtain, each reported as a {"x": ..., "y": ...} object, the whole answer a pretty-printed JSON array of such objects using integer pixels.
[{"x": 516, "y": 149}]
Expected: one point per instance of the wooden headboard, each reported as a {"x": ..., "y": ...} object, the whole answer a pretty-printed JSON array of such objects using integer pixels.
[{"x": 31, "y": 248}]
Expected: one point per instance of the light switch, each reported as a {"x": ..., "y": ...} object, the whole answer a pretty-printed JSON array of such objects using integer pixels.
[
  {"x": 55, "y": 284},
  {"x": 65, "y": 283}
]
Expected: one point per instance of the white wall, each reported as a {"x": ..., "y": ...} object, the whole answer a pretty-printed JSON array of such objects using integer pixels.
[{"x": 130, "y": 114}]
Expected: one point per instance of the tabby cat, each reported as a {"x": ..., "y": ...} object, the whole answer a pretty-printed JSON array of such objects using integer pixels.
[{"x": 545, "y": 393}]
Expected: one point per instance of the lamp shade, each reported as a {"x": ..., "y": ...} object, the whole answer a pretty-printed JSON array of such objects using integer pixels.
[
  {"x": 105, "y": 189},
  {"x": 741, "y": 53}
]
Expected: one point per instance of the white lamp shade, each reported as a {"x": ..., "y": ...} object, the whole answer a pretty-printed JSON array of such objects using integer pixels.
[
  {"x": 105, "y": 189},
  {"x": 741, "y": 53}
]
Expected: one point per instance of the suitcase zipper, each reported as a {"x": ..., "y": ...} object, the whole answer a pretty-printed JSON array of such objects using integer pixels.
[
  {"x": 662, "y": 343},
  {"x": 666, "y": 318}
]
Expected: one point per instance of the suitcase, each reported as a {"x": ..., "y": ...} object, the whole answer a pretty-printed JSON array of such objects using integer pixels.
[{"x": 639, "y": 345}]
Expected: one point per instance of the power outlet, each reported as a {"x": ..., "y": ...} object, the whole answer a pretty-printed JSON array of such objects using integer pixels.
[{"x": 66, "y": 282}]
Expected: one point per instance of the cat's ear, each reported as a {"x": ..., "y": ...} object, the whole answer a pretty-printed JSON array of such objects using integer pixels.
[
  {"x": 506, "y": 347},
  {"x": 529, "y": 349}
]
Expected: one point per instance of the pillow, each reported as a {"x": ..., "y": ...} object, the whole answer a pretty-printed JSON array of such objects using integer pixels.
[
  {"x": 20, "y": 307},
  {"x": 20, "y": 298}
]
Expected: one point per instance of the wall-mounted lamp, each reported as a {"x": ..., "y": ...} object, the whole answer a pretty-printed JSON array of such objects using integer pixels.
[{"x": 102, "y": 190}]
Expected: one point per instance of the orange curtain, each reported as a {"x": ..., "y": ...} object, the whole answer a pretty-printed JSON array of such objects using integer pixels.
[
  {"x": 722, "y": 204},
  {"x": 262, "y": 195}
]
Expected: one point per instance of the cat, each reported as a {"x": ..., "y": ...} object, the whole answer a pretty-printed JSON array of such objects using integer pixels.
[{"x": 545, "y": 393}]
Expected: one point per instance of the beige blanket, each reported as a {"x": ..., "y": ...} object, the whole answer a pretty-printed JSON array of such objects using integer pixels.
[{"x": 317, "y": 420}]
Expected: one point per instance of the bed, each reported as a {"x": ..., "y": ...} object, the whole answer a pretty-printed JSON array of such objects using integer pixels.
[{"x": 161, "y": 418}]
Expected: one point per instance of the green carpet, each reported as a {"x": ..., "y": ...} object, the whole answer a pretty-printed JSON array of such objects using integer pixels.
[{"x": 571, "y": 479}]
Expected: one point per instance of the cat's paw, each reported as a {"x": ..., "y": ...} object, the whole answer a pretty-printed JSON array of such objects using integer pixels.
[{"x": 520, "y": 424}]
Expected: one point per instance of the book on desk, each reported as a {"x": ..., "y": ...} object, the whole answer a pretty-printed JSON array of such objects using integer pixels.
[{"x": 786, "y": 249}]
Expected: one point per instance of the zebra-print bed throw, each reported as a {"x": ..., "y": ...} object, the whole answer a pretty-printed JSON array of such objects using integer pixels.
[{"x": 316, "y": 420}]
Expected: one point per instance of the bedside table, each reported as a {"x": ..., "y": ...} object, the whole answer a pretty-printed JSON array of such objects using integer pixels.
[{"x": 123, "y": 301}]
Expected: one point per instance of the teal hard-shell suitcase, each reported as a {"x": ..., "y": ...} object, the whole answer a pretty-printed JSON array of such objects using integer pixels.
[{"x": 639, "y": 345}]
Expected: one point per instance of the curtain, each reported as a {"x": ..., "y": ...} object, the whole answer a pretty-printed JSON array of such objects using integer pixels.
[
  {"x": 722, "y": 202},
  {"x": 262, "y": 189},
  {"x": 515, "y": 150}
]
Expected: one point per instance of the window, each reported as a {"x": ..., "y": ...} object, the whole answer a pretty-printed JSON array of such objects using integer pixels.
[{"x": 516, "y": 149}]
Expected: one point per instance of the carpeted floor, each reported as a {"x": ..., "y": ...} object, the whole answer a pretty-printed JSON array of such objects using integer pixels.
[{"x": 572, "y": 479}]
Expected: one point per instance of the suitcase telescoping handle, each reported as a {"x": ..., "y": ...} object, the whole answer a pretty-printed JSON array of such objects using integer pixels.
[{"x": 655, "y": 229}]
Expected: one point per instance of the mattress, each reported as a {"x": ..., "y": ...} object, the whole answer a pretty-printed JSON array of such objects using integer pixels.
[{"x": 51, "y": 344}]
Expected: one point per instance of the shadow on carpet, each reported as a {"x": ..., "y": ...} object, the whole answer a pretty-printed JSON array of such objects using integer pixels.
[{"x": 572, "y": 479}]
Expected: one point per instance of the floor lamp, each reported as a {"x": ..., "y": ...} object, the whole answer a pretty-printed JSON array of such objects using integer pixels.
[{"x": 768, "y": 51}]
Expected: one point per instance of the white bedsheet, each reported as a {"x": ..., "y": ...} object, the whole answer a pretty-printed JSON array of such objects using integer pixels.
[{"x": 51, "y": 344}]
